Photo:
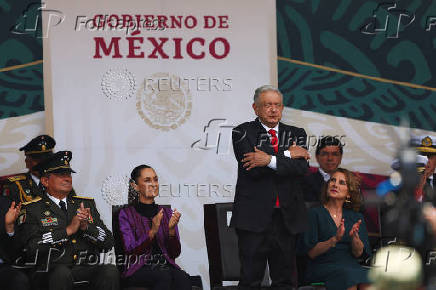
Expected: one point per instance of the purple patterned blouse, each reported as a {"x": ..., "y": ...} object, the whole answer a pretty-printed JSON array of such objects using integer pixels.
[{"x": 138, "y": 246}]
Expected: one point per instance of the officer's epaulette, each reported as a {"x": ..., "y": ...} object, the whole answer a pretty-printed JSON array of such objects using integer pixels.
[
  {"x": 83, "y": 197},
  {"x": 17, "y": 177},
  {"x": 32, "y": 201}
]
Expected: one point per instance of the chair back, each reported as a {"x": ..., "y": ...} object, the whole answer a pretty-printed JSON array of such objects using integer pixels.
[{"x": 221, "y": 243}]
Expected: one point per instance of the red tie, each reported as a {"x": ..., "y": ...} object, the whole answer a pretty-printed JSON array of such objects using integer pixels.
[
  {"x": 275, "y": 144},
  {"x": 274, "y": 140}
]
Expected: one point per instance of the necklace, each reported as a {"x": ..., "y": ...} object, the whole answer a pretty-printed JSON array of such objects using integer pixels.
[{"x": 334, "y": 215}]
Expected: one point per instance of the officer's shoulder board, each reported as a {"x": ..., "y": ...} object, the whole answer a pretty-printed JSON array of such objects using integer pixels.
[
  {"x": 18, "y": 177},
  {"x": 83, "y": 197},
  {"x": 36, "y": 199}
]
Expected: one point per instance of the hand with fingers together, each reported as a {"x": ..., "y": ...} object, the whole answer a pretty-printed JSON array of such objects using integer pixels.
[
  {"x": 84, "y": 216},
  {"x": 11, "y": 216},
  {"x": 339, "y": 233},
  {"x": 356, "y": 244},
  {"x": 298, "y": 152},
  {"x": 155, "y": 223},
  {"x": 174, "y": 220},
  {"x": 254, "y": 159},
  {"x": 354, "y": 232}
]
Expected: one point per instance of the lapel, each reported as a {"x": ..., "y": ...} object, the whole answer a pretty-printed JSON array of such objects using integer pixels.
[
  {"x": 319, "y": 179},
  {"x": 34, "y": 187},
  {"x": 262, "y": 138},
  {"x": 52, "y": 207},
  {"x": 283, "y": 138},
  {"x": 72, "y": 206}
]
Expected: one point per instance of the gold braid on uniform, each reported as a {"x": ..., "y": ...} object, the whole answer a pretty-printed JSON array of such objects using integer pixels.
[{"x": 23, "y": 196}]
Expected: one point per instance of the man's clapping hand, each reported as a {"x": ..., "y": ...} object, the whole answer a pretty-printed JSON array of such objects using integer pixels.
[{"x": 11, "y": 216}]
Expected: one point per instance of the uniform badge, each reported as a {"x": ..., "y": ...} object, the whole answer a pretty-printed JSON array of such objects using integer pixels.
[
  {"x": 427, "y": 142},
  {"x": 47, "y": 213},
  {"x": 50, "y": 221}
]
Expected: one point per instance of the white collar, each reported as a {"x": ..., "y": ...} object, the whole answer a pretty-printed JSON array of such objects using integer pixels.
[
  {"x": 276, "y": 128},
  {"x": 324, "y": 174},
  {"x": 56, "y": 201},
  {"x": 35, "y": 178}
]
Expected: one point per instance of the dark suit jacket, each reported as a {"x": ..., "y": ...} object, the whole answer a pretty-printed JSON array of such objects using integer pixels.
[
  {"x": 257, "y": 189},
  {"x": 312, "y": 186}
]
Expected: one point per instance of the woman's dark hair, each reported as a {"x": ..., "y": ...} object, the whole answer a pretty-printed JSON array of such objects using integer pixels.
[
  {"x": 136, "y": 172},
  {"x": 353, "y": 186}
]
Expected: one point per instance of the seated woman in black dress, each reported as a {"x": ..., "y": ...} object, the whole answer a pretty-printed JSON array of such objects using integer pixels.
[
  {"x": 150, "y": 237},
  {"x": 337, "y": 235}
]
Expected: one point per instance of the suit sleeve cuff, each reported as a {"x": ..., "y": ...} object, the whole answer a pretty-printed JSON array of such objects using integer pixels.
[
  {"x": 273, "y": 163},
  {"x": 58, "y": 236}
]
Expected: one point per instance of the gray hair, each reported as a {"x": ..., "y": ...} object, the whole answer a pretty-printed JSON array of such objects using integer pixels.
[{"x": 265, "y": 88}]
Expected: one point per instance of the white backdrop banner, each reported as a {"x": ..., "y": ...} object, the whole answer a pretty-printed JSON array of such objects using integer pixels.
[{"x": 159, "y": 83}]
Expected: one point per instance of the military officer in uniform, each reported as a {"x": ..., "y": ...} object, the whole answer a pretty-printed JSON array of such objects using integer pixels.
[
  {"x": 25, "y": 186},
  {"x": 66, "y": 232},
  {"x": 425, "y": 190}
]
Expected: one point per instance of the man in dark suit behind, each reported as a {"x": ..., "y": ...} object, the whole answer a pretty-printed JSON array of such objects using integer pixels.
[
  {"x": 10, "y": 278},
  {"x": 268, "y": 208},
  {"x": 329, "y": 156}
]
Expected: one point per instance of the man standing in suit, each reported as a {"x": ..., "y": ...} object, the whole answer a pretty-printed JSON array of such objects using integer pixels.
[
  {"x": 268, "y": 208},
  {"x": 65, "y": 232},
  {"x": 329, "y": 156},
  {"x": 10, "y": 278}
]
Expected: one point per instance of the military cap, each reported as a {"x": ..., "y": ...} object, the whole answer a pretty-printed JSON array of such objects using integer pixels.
[
  {"x": 57, "y": 163},
  {"x": 425, "y": 145},
  {"x": 41, "y": 144},
  {"x": 421, "y": 161}
]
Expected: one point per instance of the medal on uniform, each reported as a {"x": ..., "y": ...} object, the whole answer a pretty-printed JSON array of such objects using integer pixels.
[{"x": 50, "y": 221}]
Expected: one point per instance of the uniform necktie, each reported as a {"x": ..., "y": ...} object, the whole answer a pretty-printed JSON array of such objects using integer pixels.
[
  {"x": 275, "y": 144},
  {"x": 63, "y": 206}
]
